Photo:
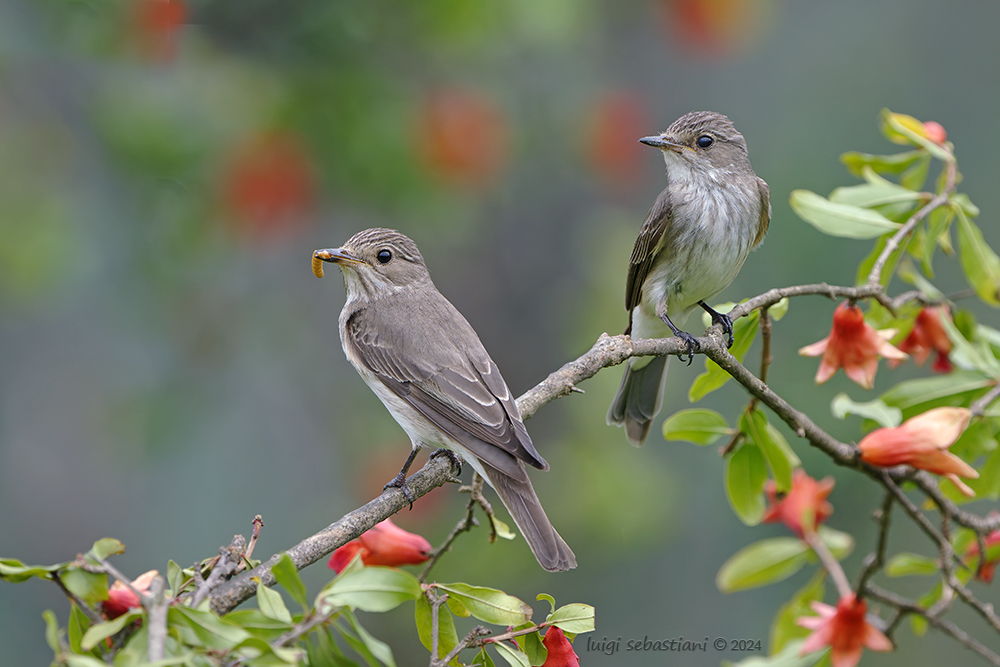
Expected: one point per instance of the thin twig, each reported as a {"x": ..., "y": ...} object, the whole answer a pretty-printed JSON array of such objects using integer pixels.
[
  {"x": 88, "y": 611},
  {"x": 467, "y": 523},
  {"x": 156, "y": 612},
  {"x": 876, "y": 559},
  {"x": 829, "y": 562}
]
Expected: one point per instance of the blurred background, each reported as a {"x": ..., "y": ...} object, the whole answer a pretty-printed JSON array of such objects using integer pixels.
[{"x": 170, "y": 367}]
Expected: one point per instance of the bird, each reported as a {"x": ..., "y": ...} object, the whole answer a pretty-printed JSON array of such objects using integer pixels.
[
  {"x": 713, "y": 211},
  {"x": 426, "y": 363}
]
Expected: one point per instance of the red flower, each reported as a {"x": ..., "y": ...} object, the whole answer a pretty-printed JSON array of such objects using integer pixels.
[
  {"x": 928, "y": 335},
  {"x": 844, "y": 629},
  {"x": 157, "y": 23},
  {"x": 804, "y": 507},
  {"x": 935, "y": 132},
  {"x": 384, "y": 544},
  {"x": 616, "y": 120},
  {"x": 561, "y": 653},
  {"x": 462, "y": 137},
  {"x": 121, "y": 598},
  {"x": 852, "y": 345},
  {"x": 986, "y": 572},
  {"x": 923, "y": 442}
]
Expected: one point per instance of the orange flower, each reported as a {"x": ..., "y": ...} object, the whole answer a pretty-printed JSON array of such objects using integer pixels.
[
  {"x": 853, "y": 345},
  {"x": 928, "y": 335},
  {"x": 844, "y": 629},
  {"x": 560, "y": 651},
  {"x": 804, "y": 507},
  {"x": 121, "y": 598},
  {"x": 923, "y": 442},
  {"x": 384, "y": 544}
]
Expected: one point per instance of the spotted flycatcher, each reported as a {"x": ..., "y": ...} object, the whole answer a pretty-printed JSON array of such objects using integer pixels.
[
  {"x": 428, "y": 366},
  {"x": 712, "y": 213}
]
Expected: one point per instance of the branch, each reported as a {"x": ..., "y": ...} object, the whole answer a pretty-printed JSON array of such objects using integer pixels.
[{"x": 876, "y": 559}]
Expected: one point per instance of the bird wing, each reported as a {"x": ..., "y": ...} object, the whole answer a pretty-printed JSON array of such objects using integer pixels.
[
  {"x": 765, "y": 211},
  {"x": 646, "y": 248},
  {"x": 458, "y": 388}
]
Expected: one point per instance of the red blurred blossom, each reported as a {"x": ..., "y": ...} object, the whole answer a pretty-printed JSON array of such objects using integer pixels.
[
  {"x": 923, "y": 442},
  {"x": 560, "y": 651},
  {"x": 852, "y": 345},
  {"x": 804, "y": 507},
  {"x": 384, "y": 544},
  {"x": 157, "y": 23},
  {"x": 713, "y": 27},
  {"x": 462, "y": 137},
  {"x": 267, "y": 183},
  {"x": 617, "y": 121},
  {"x": 935, "y": 132},
  {"x": 928, "y": 335},
  {"x": 844, "y": 629},
  {"x": 121, "y": 598},
  {"x": 987, "y": 570}
]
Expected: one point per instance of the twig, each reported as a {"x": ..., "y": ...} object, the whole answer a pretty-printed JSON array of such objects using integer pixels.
[
  {"x": 156, "y": 612},
  {"x": 230, "y": 558},
  {"x": 947, "y": 627},
  {"x": 979, "y": 406},
  {"x": 469, "y": 641},
  {"x": 830, "y": 563},
  {"x": 303, "y": 627},
  {"x": 436, "y": 599},
  {"x": 876, "y": 559},
  {"x": 467, "y": 523},
  {"x": 87, "y": 610},
  {"x": 258, "y": 523}
]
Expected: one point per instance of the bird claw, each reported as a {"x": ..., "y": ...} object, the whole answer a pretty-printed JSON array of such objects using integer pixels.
[
  {"x": 692, "y": 346},
  {"x": 727, "y": 327},
  {"x": 456, "y": 460},
  {"x": 399, "y": 482}
]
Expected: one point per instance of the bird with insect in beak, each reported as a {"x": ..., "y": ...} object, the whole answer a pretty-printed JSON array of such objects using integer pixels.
[
  {"x": 428, "y": 366},
  {"x": 712, "y": 213}
]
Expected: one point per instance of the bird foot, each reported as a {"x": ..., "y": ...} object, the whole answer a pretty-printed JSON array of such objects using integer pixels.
[
  {"x": 723, "y": 319},
  {"x": 692, "y": 346},
  {"x": 456, "y": 460},
  {"x": 399, "y": 482}
]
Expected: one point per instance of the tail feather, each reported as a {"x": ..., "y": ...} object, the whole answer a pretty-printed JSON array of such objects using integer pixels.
[
  {"x": 519, "y": 498},
  {"x": 639, "y": 398}
]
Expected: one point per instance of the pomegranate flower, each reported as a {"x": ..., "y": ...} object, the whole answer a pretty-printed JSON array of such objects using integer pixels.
[
  {"x": 985, "y": 572},
  {"x": 844, "y": 629},
  {"x": 804, "y": 507},
  {"x": 384, "y": 544},
  {"x": 852, "y": 345},
  {"x": 560, "y": 651},
  {"x": 928, "y": 335},
  {"x": 923, "y": 442},
  {"x": 121, "y": 598}
]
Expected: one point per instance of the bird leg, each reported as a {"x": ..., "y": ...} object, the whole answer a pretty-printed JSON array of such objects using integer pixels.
[
  {"x": 720, "y": 318},
  {"x": 456, "y": 460},
  {"x": 692, "y": 342},
  {"x": 399, "y": 481}
]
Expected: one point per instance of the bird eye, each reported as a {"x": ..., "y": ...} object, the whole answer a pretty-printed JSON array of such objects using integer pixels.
[
  {"x": 384, "y": 256},
  {"x": 704, "y": 141}
]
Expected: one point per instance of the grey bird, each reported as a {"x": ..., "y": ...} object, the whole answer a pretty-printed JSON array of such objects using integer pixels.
[
  {"x": 694, "y": 241},
  {"x": 425, "y": 362}
]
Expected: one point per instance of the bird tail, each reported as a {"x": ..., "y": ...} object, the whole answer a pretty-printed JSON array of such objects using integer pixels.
[
  {"x": 639, "y": 398},
  {"x": 519, "y": 498}
]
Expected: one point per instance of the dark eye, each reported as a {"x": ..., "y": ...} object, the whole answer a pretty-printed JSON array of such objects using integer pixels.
[
  {"x": 704, "y": 141},
  {"x": 384, "y": 256}
]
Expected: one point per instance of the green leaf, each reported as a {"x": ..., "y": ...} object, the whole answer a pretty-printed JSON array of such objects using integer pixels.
[
  {"x": 916, "y": 175},
  {"x": 954, "y": 389},
  {"x": 271, "y": 604},
  {"x": 744, "y": 331},
  {"x": 90, "y": 587},
  {"x": 489, "y": 604},
  {"x": 784, "y": 629},
  {"x": 841, "y": 220},
  {"x": 839, "y": 543},
  {"x": 175, "y": 577},
  {"x": 875, "y": 410},
  {"x": 762, "y": 563},
  {"x": 888, "y": 269},
  {"x": 501, "y": 529},
  {"x": 907, "y": 564},
  {"x": 105, "y": 547},
  {"x": 702, "y": 427},
  {"x": 15, "y": 571},
  {"x": 326, "y": 653},
  {"x": 575, "y": 618},
  {"x": 882, "y": 164},
  {"x": 513, "y": 658},
  {"x": 746, "y": 472},
  {"x": 204, "y": 628},
  {"x": 373, "y": 589},
  {"x": 52, "y": 631},
  {"x": 84, "y": 661},
  {"x": 895, "y": 127},
  {"x": 938, "y": 224},
  {"x": 287, "y": 576},
  {"x": 533, "y": 647},
  {"x": 980, "y": 263},
  {"x": 447, "y": 635},
  {"x": 78, "y": 624},
  {"x": 548, "y": 598},
  {"x": 877, "y": 191},
  {"x": 98, "y": 633},
  {"x": 458, "y": 608},
  {"x": 373, "y": 647},
  {"x": 780, "y": 457},
  {"x": 484, "y": 659}
]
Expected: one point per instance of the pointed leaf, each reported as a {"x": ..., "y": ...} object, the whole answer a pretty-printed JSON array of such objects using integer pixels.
[
  {"x": 447, "y": 635},
  {"x": 907, "y": 564},
  {"x": 882, "y": 164},
  {"x": 15, "y": 571},
  {"x": 744, "y": 331},
  {"x": 841, "y": 220},
  {"x": 373, "y": 588},
  {"x": 88, "y": 586},
  {"x": 575, "y": 618},
  {"x": 917, "y": 396},
  {"x": 702, "y": 427},
  {"x": 376, "y": 647},
  {"x": 489, "y": 604},
  {"x": 287, "y": 576},
  {"x": 784, "y": 629},
  {"x": 271, "y": 605},
  {"x": 98, "y": 633},
  {"x": 105, "y": 547},
  {"x": 746, "y": 472},
  {"x": 900, "y": 128},
  {"x": 780, "y": 457},
  {"x": 513, "y": 657},
  {"x": 875, "y": 410},
  {"x": 762, "y": 563},
  {"x": 980, "y": 263}
]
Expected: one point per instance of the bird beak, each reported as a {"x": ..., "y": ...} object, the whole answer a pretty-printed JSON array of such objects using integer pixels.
[
  {"x": 661, "y": 143},
  {"x": 337, "y": 256}
]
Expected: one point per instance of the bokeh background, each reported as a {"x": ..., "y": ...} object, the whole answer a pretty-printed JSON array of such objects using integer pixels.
[{"x": 169, "y": 366}]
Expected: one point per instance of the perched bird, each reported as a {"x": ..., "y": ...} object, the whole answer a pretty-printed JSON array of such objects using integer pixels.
[
  {"x": 428, "y": 366},
  {"x": 695, "y": 238}
]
